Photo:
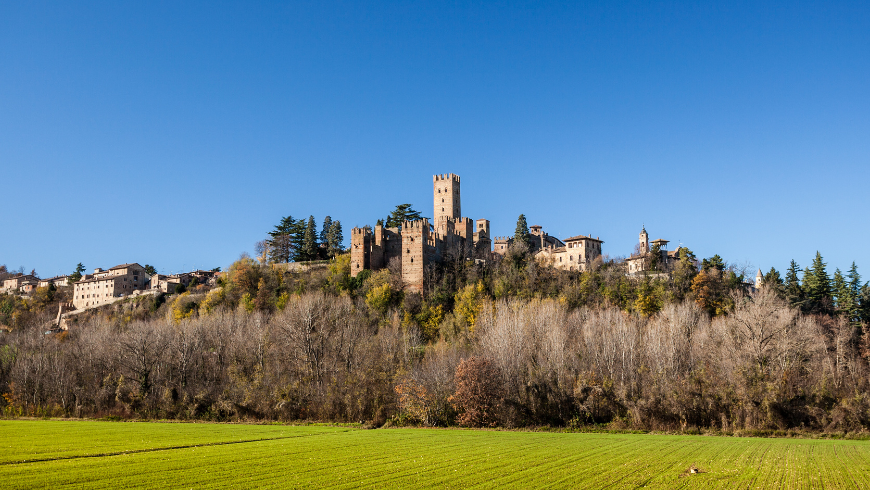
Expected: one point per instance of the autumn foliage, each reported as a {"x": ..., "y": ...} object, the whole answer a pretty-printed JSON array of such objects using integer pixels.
[{"x": 479, "y": 393}]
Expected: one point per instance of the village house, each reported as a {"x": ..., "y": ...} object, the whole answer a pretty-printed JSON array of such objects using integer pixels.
[
  {"x": 169, "y": 283},
  {"x": 577, "y": 254},
  {"x": 13, "y": 284},
  {"x": 105, "y": 286},
  {"x": 58, "y": 281}
]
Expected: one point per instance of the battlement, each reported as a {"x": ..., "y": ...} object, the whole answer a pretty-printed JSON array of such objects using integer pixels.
[
  {"x": 452, "y": 177},
  {"x": 360, "y": 231},
  {"x": 501, "y": 239},
  {"x": 419, "y": 223}
]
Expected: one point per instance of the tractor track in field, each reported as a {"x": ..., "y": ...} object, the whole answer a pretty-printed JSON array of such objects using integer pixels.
[{"x": 158, "y": 449}]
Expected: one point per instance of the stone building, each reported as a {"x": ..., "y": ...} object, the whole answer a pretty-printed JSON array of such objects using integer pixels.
[
  {"x": 58, "y": 281},
  {"x": 13, "y": 284},
  {"x": 577, "y": 254},
  {"x": 640, "y": 260},
  {"x": 106, "y": 286},
  {"x": 416, "y": 244}
]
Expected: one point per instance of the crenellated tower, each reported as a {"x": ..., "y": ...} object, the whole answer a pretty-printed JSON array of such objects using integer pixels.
[{"x": 445, "y": 188}]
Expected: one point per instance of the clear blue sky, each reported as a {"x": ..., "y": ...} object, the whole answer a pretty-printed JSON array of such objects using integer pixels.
[{"x": 178, "y": 133}]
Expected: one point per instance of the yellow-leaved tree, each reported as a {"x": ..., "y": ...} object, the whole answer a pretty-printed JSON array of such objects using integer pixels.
[{"x": 469, "y": 302}]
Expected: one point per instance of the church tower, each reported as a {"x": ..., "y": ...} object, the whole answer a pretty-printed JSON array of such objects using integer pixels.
[
  {"x": 644, "y": 241},
  {"x": 445, "y": 188},
  {"x": 759, "y": 280}
]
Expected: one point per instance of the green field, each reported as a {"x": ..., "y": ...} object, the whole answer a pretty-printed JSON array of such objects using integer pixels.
[{"x": 52, "y": 454}]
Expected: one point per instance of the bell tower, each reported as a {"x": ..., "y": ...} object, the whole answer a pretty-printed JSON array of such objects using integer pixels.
[
  {"x": 445, "y": 189},
  {"x": 644, "y": 241}
]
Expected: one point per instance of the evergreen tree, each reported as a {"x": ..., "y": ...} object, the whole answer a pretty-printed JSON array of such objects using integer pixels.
[
  {"x": 402, "y": 213},
  {"x": 282, "y": 244},
  {"x": 76, "y": 276},
  {"x": 324, "y": 232},
  {"x": 335, "y": 238},
  {"x": 864, "y": 304},
  {"x": 817, "y": 287},
  {"x": 853, "y": 290},
  {"x": 854, "y": 281},
  {"x": 793, "y": 291},
  {"x": 841, "y": 293},
  {"x": 774, "y": 282},
  {"x": 655, "y": 258},
  {"x": 309, "y": 240},
  {"x": 714, "y": 262},
  {"x": 522, "y": 235},
  {"x": 150, "y": 270}
]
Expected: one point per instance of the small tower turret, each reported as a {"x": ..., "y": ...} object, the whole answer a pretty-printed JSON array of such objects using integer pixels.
[{"x": 759, "y": 280}]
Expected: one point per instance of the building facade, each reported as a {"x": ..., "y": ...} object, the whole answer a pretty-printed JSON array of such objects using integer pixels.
[
  {"x": 58, "y": 281},
  {"x": 577, "y": 254},
  {"x": 106, "y": 286},
  {"x": 13, "y": 284}
]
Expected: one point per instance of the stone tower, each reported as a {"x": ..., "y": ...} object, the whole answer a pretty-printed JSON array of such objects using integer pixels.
[
  {"x": 445, "y": 188},
  {"x": 759, "y": 280},
  {"x": 644, "y": 241}
]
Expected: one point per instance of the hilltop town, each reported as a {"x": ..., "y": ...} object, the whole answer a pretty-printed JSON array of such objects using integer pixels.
[{"x": 411, "y": 248}]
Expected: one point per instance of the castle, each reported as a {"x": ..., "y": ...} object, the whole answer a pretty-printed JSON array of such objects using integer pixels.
[{"x": 416, "y": 244}]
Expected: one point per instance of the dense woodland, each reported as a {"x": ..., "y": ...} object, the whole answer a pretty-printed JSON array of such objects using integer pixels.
[{"x": 507, "y": 343}]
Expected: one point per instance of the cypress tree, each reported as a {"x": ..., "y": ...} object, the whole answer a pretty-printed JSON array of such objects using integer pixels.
[
  {"x": 309, "y": 240},
  {"x": 522, "y": 235},
  {"x": 335, "y": 238},
  {"x": 324, "y": 232},
  {"x": 298, "y": 238}
]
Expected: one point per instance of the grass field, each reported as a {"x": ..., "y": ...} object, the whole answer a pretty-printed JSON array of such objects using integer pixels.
[{"x": 58, "y": 454}]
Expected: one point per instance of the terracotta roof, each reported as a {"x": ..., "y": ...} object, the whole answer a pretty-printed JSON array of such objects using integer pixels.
[
  {"x": 124, "y": 266},
  {"x": 583, "y": 237}
]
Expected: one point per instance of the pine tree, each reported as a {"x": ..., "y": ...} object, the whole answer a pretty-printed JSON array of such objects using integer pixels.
[
  {"x": 76, "y": 276},
  {"x": 774, "y": 282},
  {"x": 817, "y": 287},
  {"x": 402, "y": 213},
  {"x": 853, "y": 290},
  {"x": 854, "y": 280},
  {"x": 335, "y": 238},
  {"x": 793, "y": 291},
  {"x": 864, "y": 304},
  {"x": 842, "y": 294},
  {"x": 522, "y": 235},
  {"x": 309, "y": 240},
  {"x": 281, "y": 245},
  {"x": 714, "y": 262}
]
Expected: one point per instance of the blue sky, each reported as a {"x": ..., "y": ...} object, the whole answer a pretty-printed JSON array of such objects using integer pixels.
[{"x": 178, "y": 133}]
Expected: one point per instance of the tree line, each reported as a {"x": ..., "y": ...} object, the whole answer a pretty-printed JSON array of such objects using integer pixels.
[
  {"x": 297, "y": 240},
  {"x": 506, "y": 343}
]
